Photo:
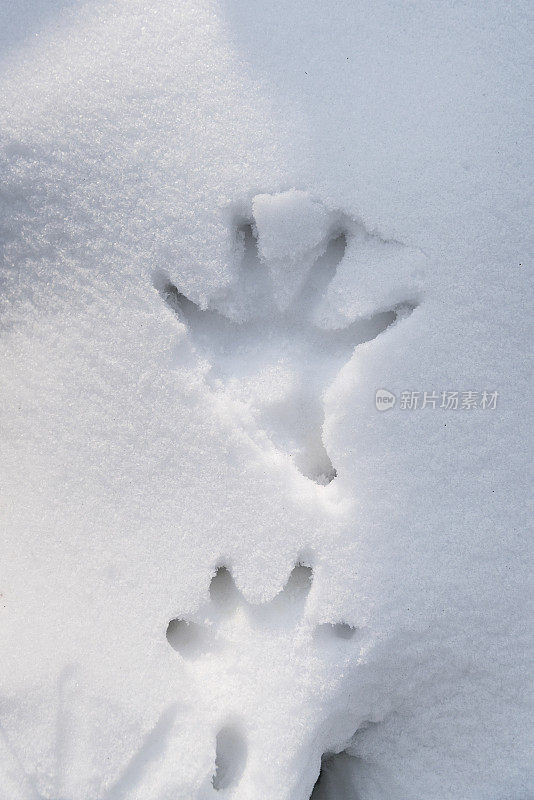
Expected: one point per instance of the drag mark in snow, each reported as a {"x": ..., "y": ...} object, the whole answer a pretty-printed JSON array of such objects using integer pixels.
[
  {"x": 152, "y": 748},
  {"x": 271, "y": 354}
]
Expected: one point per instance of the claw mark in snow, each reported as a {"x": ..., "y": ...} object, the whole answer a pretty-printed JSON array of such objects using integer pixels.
[
  {"x": 231, "y": 757},
  {"x": 205, "y": 632}
]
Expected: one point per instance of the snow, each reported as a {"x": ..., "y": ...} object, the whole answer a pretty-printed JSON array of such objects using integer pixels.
[
  {"x": 224, "y": 227},
  {"x": 292, "y": 230}
]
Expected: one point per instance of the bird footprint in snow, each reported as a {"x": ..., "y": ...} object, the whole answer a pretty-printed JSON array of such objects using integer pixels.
[
  {"x": 229, "y": 632},
  {"x": 273, "y": 354}
]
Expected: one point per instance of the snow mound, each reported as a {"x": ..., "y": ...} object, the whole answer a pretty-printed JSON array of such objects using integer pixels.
[{"x": 292, "y": 232}]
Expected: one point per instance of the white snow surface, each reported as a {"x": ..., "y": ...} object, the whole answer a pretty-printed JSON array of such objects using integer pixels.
[{"x": 224, "y": 227}]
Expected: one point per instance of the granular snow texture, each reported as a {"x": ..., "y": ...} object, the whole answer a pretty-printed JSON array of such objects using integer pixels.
[{"x": 225, "y": 573}]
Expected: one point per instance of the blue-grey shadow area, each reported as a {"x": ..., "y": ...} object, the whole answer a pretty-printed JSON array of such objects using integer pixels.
[
  {"x": 283, "y": 46},
  {"x": 23, "y": 20}
]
